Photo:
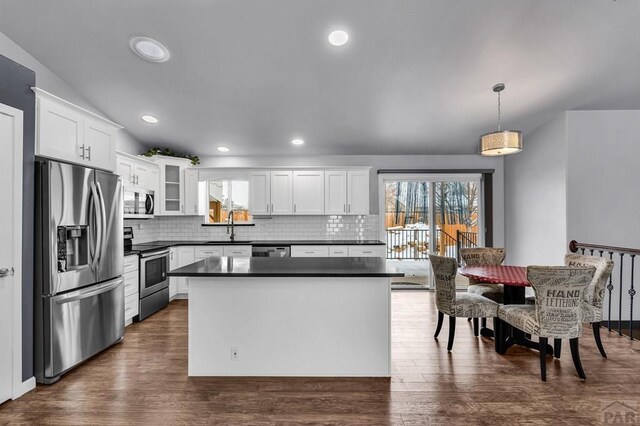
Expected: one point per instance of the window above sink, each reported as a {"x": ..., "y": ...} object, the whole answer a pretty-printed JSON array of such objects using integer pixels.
[{"x": 226, "y": 195}]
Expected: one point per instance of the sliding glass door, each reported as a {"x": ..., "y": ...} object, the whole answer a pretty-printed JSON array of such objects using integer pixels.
[{"x": 428, "y": 213}]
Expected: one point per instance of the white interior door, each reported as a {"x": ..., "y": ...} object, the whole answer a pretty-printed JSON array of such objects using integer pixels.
[{"x": 10, "y": 253}]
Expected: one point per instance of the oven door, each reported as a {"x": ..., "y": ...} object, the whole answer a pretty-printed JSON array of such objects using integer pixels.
[{"x": 153, "y": 272}]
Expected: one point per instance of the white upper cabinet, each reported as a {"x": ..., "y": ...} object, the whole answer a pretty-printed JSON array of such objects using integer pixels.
[
  {"x": 335, "y": 192},
  {"x": 126, "y": 169},
  {"x": 170, "y": 199},
  {"x": 281, "y": 192},
  {"x": 100, "y": 144},
  {"x": 260, "y": 192},
  {"x": 137, "y": 172},
  {"x": 357, "y": 192},
  {"x": 308, "y": 192},
  {"x": 69, "y": 133},
  {"x": 191, "y": 192},
  {"x": 147, "y": 176}
]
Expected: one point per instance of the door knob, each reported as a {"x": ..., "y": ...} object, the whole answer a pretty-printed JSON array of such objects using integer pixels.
[{"x": 5, "y": 272}]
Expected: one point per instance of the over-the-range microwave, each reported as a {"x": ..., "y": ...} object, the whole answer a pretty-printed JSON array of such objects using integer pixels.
[{"x": 138, "y": 203}]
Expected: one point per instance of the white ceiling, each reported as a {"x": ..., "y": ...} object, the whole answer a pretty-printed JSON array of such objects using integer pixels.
[{"x": 415, "y": 77}]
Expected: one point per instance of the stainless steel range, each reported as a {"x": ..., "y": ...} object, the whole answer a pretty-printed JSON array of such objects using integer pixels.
[{"x": 154, "y": 283}]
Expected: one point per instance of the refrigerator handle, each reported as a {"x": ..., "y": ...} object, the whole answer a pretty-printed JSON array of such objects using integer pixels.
[
  {"x": 103, "y": 220},
  {"x": 86, "y": 293},
  {"x": 95, "y": 199}
]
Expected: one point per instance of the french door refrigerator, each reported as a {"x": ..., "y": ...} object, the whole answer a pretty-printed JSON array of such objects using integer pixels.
[{"x": 79, "y": 291}]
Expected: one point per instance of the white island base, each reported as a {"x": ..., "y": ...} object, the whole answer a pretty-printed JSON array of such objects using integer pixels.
[{"x": 290, "y": 326}]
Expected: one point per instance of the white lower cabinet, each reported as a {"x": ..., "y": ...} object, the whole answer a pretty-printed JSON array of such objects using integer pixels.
[
  {"x": 202, "y": 252},
  {"x": 237, "y": 251},
  {"x": 309, "y": 251},
  {"x": 368, "y": 251},
  {"x": 131, "y": 287},
  {"x": 184, "y": 255},
  {"x": 173, "y": 264},
  {"x": 339, "y": 251}
]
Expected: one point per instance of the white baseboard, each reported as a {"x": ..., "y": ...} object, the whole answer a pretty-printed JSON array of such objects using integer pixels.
[
  {"x": 180, "y": 296},
  {"x": 25, "y": 387}
]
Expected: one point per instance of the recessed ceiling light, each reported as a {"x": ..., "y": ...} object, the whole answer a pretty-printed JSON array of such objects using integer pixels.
[
  {"x": 338, "y": 38},
  {"x": 223, "y": 149},
  {"x": 149, "y": 49},
  {"x": 149, "y": 119},
  {"x": 297, "y": 142}
]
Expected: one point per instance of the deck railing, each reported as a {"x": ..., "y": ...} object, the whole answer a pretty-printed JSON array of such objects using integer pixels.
[
  {"x": 621, "y": 280},
  {"x": 446, "y": 244},
  {"x": 413, "y": 244},
  {"x": 465, "y": 240},
  {"x": 407, "y": 244}
]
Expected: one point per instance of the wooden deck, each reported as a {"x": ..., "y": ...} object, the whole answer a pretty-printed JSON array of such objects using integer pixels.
[{"x": 144, "y": 381}]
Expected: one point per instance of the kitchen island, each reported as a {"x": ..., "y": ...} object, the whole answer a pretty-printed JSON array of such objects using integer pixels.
[{"x": 289, "y": 316}]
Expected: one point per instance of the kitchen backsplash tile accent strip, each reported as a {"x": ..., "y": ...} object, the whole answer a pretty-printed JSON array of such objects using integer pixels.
[{"x": 274, "y": 228}]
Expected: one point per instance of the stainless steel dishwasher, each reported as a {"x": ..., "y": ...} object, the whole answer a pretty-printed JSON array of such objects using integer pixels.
[{"x": 271, "y": 251}]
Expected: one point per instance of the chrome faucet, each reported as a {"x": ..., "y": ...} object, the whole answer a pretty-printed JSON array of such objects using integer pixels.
[{"x": 230, "y": 224}]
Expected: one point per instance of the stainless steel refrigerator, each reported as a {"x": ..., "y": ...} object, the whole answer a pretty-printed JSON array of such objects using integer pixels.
[{"x": 79, "y": 292}]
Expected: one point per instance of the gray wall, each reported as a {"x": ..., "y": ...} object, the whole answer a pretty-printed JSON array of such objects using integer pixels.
[
  {"x": 15, "y": 90},
  {"x": 378, "y": 162},
  {"x": 535, "y": 197},
  {"x": 49, "y": 81},
  {"x": 577, "y": 179},
  {"x": 603, "y": 193}
]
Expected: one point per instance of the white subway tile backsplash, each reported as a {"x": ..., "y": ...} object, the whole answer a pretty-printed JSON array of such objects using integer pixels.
[{"x": 274, "y": 228}]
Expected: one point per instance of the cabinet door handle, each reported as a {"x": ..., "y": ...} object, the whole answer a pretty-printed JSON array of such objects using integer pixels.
[
  {"x": 88, "y": 153},
  {"x": 137, "y": 180},
  {"x": 294, "y": 208},
  {"x": 349, "y": 207},
  {"x": 195, "y": 208},
  {"x": 344, "y": 208},
  {"x": 271, "y": 207},
  {"x": 82, "y": 151},
  {"x": 267, "y": 208}
]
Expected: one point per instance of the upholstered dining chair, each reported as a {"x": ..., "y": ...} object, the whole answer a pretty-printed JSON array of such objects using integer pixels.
[
  {"x": 557, "y": 313},
  {"x": 454, "y": 304},
  {"x": 477, "y": 256},
  {"x": 594, "y": 295}
]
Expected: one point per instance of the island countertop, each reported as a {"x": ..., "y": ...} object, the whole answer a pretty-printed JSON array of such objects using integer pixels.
[{"x": 288, "y": 267}]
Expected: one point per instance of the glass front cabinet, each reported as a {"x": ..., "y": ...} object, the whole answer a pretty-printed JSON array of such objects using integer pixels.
[{"x": 170, "y": 200}]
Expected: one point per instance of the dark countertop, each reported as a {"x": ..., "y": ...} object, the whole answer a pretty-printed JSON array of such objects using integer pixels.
[
  {"x": 156, "y": 245},
  {"x": 288, "y": 267},
  {"x": 318, "y": 243}
]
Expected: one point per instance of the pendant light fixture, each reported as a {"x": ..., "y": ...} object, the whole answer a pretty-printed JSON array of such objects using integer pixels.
[{"x": 501, "y": 142}]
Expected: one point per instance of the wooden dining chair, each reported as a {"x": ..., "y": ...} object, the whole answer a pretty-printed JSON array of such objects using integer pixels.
[
  {"x": 455, "y": 304},
  {"x": 557, "y": 313},
  {"x": 477, "y": 256},
  {"x": 594, "y": 295}
]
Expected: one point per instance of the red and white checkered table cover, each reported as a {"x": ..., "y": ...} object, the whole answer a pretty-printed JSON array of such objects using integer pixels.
[{"x": 497, "y": 274}]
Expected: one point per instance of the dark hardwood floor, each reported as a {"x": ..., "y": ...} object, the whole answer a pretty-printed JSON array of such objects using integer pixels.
[{"x": 144, "y": 381}]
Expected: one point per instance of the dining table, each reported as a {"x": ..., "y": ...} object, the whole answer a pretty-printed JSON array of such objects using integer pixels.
[{"x": 514, "y": 280}]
